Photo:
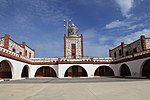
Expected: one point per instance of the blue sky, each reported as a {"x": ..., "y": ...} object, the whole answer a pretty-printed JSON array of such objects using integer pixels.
[{"x": 103, "y": 23}]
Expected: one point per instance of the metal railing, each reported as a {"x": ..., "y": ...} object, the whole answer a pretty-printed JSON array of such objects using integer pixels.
[{"x": 44, "y": 59}]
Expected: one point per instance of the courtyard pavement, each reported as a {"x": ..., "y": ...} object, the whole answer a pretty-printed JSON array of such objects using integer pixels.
[{"x": 100, "y": 88}]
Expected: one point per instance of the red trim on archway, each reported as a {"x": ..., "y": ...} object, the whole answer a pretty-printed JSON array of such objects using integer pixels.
[
  {"x": 45, "y": 71},
  {"x": 5, "y": 69},
  {"x": 146, "y": 68},
  {"x": 124, "y": 70},
  {"x": 75, "y": 71},
  {"x": 104, "y": 71},
  {"x": 25, "y": 71}
]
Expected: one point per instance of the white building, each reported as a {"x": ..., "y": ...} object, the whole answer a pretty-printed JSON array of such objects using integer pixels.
[{"x": 18, "y": 60}]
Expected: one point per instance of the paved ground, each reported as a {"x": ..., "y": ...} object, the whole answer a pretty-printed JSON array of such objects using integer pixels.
[{"x": 76, "y": 89}]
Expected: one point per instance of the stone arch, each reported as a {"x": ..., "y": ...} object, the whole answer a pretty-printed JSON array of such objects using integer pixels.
[
  {"x": 104, "y": 71},
  {"x": 6, "y": 69},
  {"x": 25, "y": 71},
  {"x": 145, "y": 68},
  {"x": 75, "y": 71},
  {"x": 124, "y": 70},
  {"x": 45, "y": 71}
]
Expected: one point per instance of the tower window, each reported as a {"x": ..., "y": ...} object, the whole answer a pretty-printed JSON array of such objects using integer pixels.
[
  {"x": 14, "y": 50},
  {"x": 73, "y": 46},
  {"x": 115, "y": 54},
  {"x": 25, "y": 52},
  {"x": 120, "y": 53},
  {"x": 20, "y": 53},
  {"x": 134, "y": 50},
  {"x": 73, "y": 55},
  {"x": 30, "y": 55},
  {"x": 73, "y": 50}
]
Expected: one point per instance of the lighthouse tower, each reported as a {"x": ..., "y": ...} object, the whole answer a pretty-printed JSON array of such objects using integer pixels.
[{"x": 73, "y": 43}]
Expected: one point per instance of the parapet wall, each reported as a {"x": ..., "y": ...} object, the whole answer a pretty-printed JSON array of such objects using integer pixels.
[{"x": 21, "y": 49}]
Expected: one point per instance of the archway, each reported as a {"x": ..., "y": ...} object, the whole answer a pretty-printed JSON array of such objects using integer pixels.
[
  {"x": 25, "y": 71},
  {"x": 124, "y": 70},
  {"x": 45, "y": 71},
  {"x": 146, "y": 68},
  {"x": 5, "y": 69},
  {"x": 76, "y": 71},
  {"x": 104, "y": 71}
]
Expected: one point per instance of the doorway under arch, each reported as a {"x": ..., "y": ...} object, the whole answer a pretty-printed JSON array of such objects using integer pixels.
[
  {"x": 45, "y": 71},
  {"x": 75, "y": 71},
  {"x": 104, "y": 71},
  {"x": 124, "y": 70},
  {"x": 146, "y": 68},
  {"x": 25, "y": 71},
  {"x": 5, "y": 69}
]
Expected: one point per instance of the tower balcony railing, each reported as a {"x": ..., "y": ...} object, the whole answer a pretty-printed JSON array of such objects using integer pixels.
[
  {"x": 86, "y": 60},
  {"x": 62, "y": 60},
  {"x": 25, "y": 58},
  {"x": 102, "y": 59},
  {"x": 122, "y": 58},
  {"x": 44, "y": 59}
]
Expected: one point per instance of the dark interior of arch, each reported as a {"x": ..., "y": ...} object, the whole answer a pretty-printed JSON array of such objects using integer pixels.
[
  {"x": 45, "y": 71},
  {"x": 104, "y": 71},
  {"x": 125, "y": 71},
  {"x": 146, "y": 69},
  {"x": 76, "y": 71},
  {"x": 25, "y": 72},
  {"x": 5, "y": 69}
]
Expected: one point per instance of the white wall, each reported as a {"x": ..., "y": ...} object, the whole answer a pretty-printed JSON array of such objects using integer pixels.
[
  {"x": 134, "y": 66},
  {"x": 76, "y": 41},
  {"x": 1, "y": 41},
  {"x": 17, "y": 66},
  {"x": 29, "y": 51},
  {"x": 95, "y": 66},
  {"x": 34, "y": 68},
  {"x": 17, "y": 47},
  {"x": 63, "y": 67}
]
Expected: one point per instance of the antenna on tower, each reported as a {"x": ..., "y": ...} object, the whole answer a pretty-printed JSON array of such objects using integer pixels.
[{"x": 66, "y": 25}]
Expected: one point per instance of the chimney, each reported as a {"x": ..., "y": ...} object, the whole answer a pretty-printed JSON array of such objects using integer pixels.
[
  {"x": 23, "y": 44},
  {"x": 6, "y": 41},
  {"x": 143, "y": 43}
]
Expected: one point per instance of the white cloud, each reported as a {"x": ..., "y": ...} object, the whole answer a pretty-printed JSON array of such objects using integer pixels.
[
  {"x": 48, "y": 11},
  {"x": 132, "y": 37},
  {"x": 116, "y": 24},
  {"x": 125, "y": 6},
  {"x": 95, "y": 45},
  {"x": 96, "y": 50},
  {"x": 48, "y": 48},
  {"x": 136, "y": 26},
  {"x": 104, "y": 39},
  {"x": 89, "y": 33}
]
